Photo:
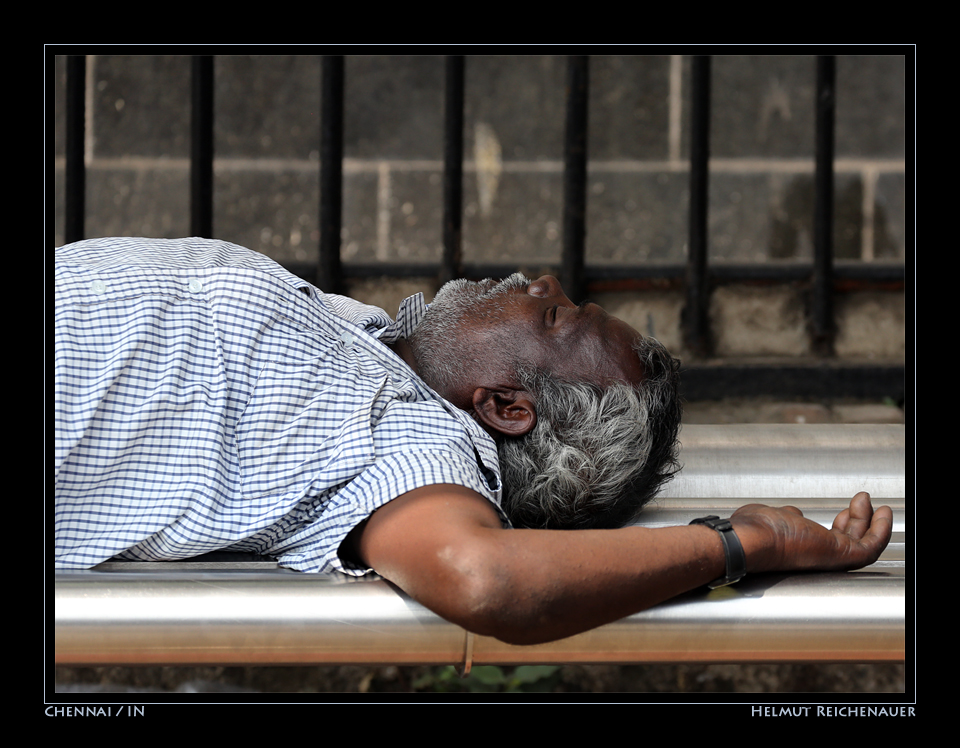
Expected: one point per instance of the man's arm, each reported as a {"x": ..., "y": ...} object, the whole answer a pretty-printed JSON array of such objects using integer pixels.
[{"x": 445, "y": 547}]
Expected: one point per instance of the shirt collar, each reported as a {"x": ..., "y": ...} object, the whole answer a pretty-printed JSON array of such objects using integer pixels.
[{"x": 409, "y": 315}]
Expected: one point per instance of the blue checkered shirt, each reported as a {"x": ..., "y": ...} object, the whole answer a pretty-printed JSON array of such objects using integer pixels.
[{"x": 207, "y": 399}]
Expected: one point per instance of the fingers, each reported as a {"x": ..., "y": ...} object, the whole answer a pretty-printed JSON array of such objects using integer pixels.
[
  {"x": 881, "y": 528},
  {"x": 871, "y": 530},
  {"x": 842, "y": 521},
  {"x": 855, "y": 520}
]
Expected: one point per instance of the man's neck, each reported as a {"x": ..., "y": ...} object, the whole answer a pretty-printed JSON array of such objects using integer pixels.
[{"x": 402, "y": 348}]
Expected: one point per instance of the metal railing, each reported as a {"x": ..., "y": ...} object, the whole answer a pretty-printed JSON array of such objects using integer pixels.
[
  {"x": 697, "y": 276},
  {"x": 217, "y": 612}
]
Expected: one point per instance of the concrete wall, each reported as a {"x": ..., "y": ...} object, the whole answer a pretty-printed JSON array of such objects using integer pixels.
[{"x": 267, "y": 112}]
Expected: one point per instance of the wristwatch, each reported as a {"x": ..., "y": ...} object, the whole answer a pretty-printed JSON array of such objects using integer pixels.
[{"x": 732, "y": 550}]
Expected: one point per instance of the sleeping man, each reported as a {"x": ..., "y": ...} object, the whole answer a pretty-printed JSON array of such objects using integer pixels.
[{"x": 486, "y": 454}]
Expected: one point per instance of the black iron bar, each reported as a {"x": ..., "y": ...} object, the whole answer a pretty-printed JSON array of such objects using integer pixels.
[
  {"x": 451, "y": 265},
  {"x": 823, "y": 379},
  {"x": 848, "y": 275},
  {"x": 75, "y": 169},
  {"x": 696, "y": 313},
  {"x": 201, "y": 146},
  {"x": 328, "y": 274},
  {"x": 575, "y": 179},
  {"x": 821, "y": 309}
]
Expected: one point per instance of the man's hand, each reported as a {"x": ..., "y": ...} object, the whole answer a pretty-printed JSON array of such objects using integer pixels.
[{"x": 782, "y": 539}]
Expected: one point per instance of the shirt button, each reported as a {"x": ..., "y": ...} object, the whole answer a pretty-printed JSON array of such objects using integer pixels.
[
  {"x": 195, "y": 286},
  {"x": 347, "y": 339},
  {"x": 98, "y": 287}
]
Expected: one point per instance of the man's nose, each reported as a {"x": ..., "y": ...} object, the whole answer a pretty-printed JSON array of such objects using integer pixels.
[{"x": 546, "y": 286}]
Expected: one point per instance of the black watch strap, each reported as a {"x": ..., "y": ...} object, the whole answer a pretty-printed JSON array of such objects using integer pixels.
[{"x": 732, "y": 550}]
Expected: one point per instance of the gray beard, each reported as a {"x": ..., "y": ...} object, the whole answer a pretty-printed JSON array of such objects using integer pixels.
[{"x": 443, "y": 353}]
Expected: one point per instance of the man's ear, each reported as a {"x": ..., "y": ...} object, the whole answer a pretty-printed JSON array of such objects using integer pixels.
[{"x": 505, "y": 410}]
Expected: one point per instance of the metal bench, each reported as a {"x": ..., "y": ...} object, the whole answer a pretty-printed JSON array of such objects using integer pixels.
[{"x": 251, "y": 612}]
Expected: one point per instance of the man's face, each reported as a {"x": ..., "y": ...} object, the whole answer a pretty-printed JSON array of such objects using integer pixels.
[{"x": 475, "y": 334}]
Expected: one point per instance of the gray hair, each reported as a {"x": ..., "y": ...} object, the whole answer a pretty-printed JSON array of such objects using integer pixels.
[
  {"x": 444, "y": 356},
  {"x": 597, "y": 455}
]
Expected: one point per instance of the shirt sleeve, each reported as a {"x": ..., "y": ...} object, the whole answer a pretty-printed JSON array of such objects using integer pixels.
[{"x": 316, "y": 548}]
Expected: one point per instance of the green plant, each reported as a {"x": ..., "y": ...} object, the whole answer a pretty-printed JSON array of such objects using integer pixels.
[{"x": 491, "y": 679}]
